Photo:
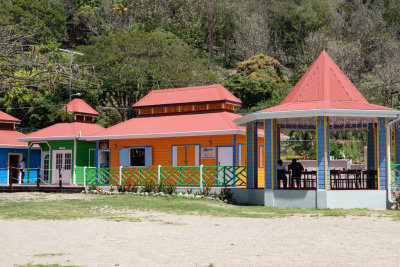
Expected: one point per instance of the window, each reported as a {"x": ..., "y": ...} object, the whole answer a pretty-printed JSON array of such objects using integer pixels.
[
  {"x": 59, "y": 161},
  {"x": 137, "y": 156},
  {"x": 67, "y": 161},
  {"x": 185, "y": 155}
]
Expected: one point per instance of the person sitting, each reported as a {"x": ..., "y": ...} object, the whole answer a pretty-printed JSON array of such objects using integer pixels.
[
  {"x": 296, "y": 168},
  {"x": 281, "y": 174}
]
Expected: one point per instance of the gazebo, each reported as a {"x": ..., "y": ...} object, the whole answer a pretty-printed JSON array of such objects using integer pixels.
[{"x": 323, "y": 100}]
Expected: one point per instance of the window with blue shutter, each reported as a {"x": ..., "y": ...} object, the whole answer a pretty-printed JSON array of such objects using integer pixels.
[
  {"x": 135, "y": 156},
  {"x": 124, "y": 157},
  {"x": 148, "y": 156}
]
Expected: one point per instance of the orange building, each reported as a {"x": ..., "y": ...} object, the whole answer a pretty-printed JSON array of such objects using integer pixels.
[{"x": 178, "y": 127}]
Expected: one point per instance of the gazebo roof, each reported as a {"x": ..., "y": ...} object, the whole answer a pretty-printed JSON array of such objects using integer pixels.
[{"x": 324, "y": 90}]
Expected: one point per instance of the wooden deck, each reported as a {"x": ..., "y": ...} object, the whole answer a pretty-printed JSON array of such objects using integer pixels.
[{"x": 42, "y": 188}]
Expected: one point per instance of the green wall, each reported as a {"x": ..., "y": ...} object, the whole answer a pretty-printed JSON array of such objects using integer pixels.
[{"x": 82, "y": 153}]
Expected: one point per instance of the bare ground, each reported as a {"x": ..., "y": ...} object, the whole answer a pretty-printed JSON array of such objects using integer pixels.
[{"x": 154, "y": 239}]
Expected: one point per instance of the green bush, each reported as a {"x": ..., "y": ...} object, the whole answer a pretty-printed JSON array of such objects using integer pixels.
[
  {"x": 292, "y": 157},
  {"x": 93, "y": 187},
  {"x": 148, "y": 187}
]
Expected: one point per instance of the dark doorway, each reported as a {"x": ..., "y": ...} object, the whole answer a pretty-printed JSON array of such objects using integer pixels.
[{"x": 14, "y": 164}]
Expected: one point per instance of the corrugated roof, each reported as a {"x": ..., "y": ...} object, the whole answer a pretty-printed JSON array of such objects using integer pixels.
[
  {"x": 66, "y": 129},
  {"x": 324, "y": 86},
  {"x": 79, "y": 106},
  {"x": 196, "y": 94},
  {"x": 8, "y": 118}
]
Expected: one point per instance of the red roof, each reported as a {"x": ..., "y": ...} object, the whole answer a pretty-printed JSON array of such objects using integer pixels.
[
  {"x": 5, "y": 117},
  {"x": 182, "y": 123},
  {"x": 9, "y": 138},
  {"x": 196, "y": 94},
  {"x": 79, "y": 106},
  {"x": 175, "y": 125},
  {"x": 324, "y": 86},
  {"x": 65, "y": 130}
]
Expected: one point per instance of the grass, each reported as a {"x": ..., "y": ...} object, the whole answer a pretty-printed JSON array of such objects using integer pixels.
[
  {"x": 45, "y": 265},
  {"x": 120, "y": 207},
  {"x": 49, "y": 254}
]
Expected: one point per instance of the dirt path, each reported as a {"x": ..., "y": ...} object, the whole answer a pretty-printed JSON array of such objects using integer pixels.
[{"x": 163, "y": 239}]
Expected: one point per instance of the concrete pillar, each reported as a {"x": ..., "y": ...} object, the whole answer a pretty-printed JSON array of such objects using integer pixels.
[
  {"x": 381, "y": 154},
  {"x": 322, "y": 133},
  {"x": 270, "y": 152},
  {"x": 252, "y": 152}
]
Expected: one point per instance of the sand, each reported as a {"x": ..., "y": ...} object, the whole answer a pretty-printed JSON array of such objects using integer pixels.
[{"x": 157, "y": 239}]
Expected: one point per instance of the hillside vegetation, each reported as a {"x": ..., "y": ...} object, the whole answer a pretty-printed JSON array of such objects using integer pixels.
[{"x": 258, "y": 49}]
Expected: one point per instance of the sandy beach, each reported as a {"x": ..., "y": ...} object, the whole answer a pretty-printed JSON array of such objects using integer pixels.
[{"x": 157, "y": 239}]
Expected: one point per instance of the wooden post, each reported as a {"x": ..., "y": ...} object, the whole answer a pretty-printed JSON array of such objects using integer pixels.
[
  {"x": 38, "y": 177},
  {"x": 59, "y": 177},
  {"x": 10, "y": 178}
]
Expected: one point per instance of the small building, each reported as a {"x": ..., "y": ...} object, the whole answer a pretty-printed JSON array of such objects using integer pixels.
[
  {"x": 62, "y": 144},
  {"x": 190, "y": 126},
  {"x": 12, "y": 152},
  {"x": 324, "y": 100}
]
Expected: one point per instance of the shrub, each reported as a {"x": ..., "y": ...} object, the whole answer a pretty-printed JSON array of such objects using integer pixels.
[
  {"x": 112, "y": 189},
  {"x": 225, "y": 194},
  {"x": 161, "y": 187},
  {"x": 170, "y": 188},
  {"x": 148, "y": 187},
  {"x": 206, "y": 191},
  {"x": 133, "y": 187},
  {"x": 189, "y": 191},
  {"x": 93, "y": 187},
  {"x": 121, "y": 188}
]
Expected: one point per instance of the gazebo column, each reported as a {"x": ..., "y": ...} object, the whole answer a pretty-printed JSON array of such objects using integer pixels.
[
  {"x": 252, "y": 153},
  {"x": 371, "y": 134},
  {"x": 322, "y": 129},
  {"x": 396, "y": 139},
  {"x": 381, "y": 153},
  {"x": 271, "y": 137},
  {"x": 278, "y": 142}
]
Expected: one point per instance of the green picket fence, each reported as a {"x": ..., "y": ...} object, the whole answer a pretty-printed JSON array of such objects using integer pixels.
[
  {"x": 194, "y": 176},
  {"x": 395, "y": 175}
]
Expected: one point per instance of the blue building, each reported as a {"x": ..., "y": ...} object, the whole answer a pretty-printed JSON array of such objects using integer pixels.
[{"x": 13, "y": 151}]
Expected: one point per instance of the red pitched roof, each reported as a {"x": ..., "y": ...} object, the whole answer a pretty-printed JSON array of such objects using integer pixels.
[
  {"x": 79, "y": 106},
  {"x": 174, "y": 125},
  {"x": 182, "y": 123},
  {"x": 64, "y": 130},
  {"x": 196, "y": 94},
  {"x": 8, "y": 118},
  {"x": 324, "y": 86},
  {"x": 8, "y": 138}
]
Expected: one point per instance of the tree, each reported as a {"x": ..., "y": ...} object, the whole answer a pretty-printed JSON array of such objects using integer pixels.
[
  {"x": 43, "y": 17},
  {"x": 133, "y": 63},
  {"x": 260, "y": 82}
]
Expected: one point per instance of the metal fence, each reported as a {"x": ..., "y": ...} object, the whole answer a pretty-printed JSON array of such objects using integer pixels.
[{"x": 194, "y": 176}]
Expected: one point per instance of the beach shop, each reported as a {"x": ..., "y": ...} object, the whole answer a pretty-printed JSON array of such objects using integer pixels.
[
  {"x": 176, "y": 129},
  {"x": 61, "y": 144},
  {"x": 12, "y": 152}
]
